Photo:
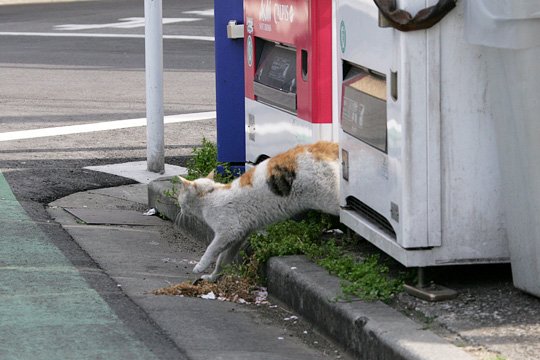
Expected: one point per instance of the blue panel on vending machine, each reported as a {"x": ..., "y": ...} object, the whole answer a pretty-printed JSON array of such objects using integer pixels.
[{"x": 229, "y": 84}]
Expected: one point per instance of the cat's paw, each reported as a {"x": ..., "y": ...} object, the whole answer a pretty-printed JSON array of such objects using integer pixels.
[
  {"x": 210, "y": 278},
  {"x": 199, "y": 268}
]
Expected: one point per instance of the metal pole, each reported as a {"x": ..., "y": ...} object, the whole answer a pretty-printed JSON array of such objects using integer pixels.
[{"x": 155, "y": 146}]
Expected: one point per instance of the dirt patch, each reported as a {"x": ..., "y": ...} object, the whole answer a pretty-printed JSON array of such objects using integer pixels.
[{"x": 227, "y": 288}]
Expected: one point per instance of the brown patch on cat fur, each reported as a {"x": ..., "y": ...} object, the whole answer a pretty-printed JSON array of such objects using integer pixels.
[
  {"x": 282, "y": 167},
  {"x": 247, "y": 178},
  {"x": 324, "y": 151}
]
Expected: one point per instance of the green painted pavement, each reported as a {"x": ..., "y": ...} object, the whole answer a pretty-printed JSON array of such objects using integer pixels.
[{"x": 47, "y": 310}]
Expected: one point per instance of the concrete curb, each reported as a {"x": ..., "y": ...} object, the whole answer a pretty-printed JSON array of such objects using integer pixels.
[
  {"x": 157, "y": 199},
  {"x": 369, "y": 330}
]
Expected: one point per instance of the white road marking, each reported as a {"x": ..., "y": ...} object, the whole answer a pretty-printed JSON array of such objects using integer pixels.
[
  {"x": 208, "y": 12},
  {"x": 100, "y": 126},
  {"x": 97, "y": 35},
  {"x": 124, "y": 23}
]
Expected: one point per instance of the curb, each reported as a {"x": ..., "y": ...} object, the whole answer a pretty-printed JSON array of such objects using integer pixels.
[
  {"x": 369, "y": 330},
  {"x": 157, "y": 199}
]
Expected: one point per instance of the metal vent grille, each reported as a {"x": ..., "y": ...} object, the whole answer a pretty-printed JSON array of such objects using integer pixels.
[{"x": 371, "y": 215}]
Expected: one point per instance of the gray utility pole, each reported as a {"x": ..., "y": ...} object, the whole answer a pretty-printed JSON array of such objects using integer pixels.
[{"x": 155, "y": 138}]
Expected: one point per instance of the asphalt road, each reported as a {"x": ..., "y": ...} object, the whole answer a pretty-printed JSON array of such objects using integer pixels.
[{"x": 51, "y": 81}]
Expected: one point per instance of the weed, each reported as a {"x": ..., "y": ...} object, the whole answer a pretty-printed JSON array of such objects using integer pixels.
[
  {"x": 367, "y": 279},
  {"x": 202, "y": 163}
]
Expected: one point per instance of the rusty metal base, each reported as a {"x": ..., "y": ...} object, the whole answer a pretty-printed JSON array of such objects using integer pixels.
[{"x": 432, "y": 292}]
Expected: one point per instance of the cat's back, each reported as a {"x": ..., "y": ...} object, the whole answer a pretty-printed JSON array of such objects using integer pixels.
[
  {"x": 303, "y": 167},
  {"x": 299, "y": 166}
]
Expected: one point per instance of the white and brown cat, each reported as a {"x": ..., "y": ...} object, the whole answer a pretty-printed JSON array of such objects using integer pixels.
[{"x": 305, "y": 177}]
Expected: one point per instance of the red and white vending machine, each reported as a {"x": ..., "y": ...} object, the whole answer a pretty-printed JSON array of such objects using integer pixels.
[{"x": 288, "y": 74}]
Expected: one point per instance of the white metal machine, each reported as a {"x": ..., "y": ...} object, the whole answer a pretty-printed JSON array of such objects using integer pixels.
[
  {"x": 420, "y": 172},
  {"x": 510, "y": 29}
]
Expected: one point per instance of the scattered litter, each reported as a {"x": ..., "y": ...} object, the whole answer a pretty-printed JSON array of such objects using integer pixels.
[
  {"x": 118, "y": 285},
  {"x": 153, "y": 243},
  {"x": 280, "y": 338},
  {"x": 174, "y": 261},
  {"x": 150, "y": 212},
  {"x": 273, "y": 306},
  {"x": 293, "y": 267},
  {"x": 209, "y": 296},
  {"x": 261, "y": 295},
  {"x": 292, "y": 317},
  {"x": 305, "y": 331},
  {"x": 315, "y": 342},
  {"x": 334, "y": 232}
]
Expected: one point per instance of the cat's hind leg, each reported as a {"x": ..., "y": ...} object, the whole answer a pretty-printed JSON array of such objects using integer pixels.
[
  {"x": 217, "y": 246},
  {"x": 224, "y": 259}
]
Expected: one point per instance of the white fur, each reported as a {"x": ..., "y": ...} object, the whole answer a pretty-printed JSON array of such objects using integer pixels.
[{"x": 233, "y": 213}]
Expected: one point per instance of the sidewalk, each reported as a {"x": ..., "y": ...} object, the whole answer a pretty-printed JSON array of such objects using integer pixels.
[{"x": 144, "y": 253}]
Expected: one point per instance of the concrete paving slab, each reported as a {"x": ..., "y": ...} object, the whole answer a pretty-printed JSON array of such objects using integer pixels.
[
  {"x": 139, "y": 261},
  {"x": 114, "y": 217},
  {"x": 228, "y": 330},
  {"x": 136, "y": 193},
  {"x": 137, "y": 171},
  {"x": 60, "y": 215},
  {"x": 94, "y": 200}
]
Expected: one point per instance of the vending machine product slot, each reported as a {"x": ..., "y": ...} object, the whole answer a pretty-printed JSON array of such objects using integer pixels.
[{"x": 363, "y": 112}]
